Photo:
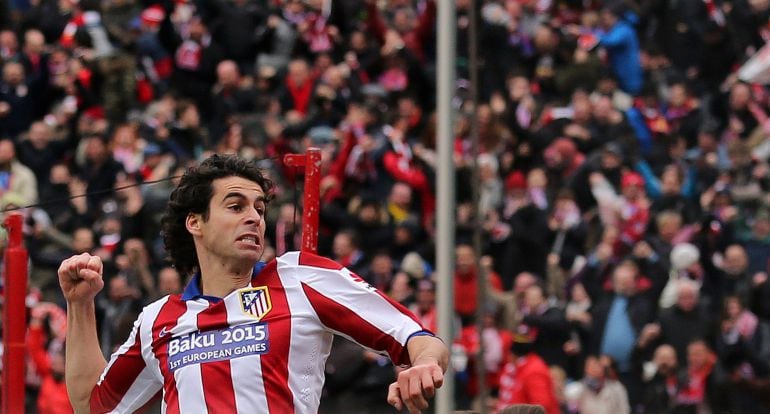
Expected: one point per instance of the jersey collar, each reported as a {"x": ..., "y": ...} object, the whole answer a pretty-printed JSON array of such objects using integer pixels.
[{"x": 193, "y": 290}]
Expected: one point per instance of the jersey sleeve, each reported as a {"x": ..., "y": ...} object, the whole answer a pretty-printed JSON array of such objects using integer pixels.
[
  {"x": 349, "y": 306},
  {"x": 127, "y": 382}
]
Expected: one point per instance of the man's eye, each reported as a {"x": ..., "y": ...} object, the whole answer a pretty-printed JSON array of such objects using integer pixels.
[{"x": 235, "y": 207}]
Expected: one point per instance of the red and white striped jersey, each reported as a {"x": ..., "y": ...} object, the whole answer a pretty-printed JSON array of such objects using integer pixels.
[{"x": 262, "y": 348}]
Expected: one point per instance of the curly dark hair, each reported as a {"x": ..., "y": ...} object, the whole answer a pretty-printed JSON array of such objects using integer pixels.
[{"x": 192, "y": 196}]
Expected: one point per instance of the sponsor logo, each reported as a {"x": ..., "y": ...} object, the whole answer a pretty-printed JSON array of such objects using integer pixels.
[
  {"x": 219, "y": 345},
  {"x": 255, "y": 302},
  {"x": 163, "y": 332}
]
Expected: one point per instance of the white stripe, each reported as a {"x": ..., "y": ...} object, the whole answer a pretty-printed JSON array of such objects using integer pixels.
[
  {"x": 148, "y": 382},
  {"x": 341, "y": 288},
  {"x": 189, "y": 383},
  {"x": 248, "y": 386},
  {"x": 246, "y": 372},
  {"x": 123, "y": 348},
  {"x": 151, "y": 313},
  {"x": 307, "y": 357}
]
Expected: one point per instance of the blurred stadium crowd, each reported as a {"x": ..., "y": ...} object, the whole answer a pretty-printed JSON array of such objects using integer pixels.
[{"x": 623, "y": 177}]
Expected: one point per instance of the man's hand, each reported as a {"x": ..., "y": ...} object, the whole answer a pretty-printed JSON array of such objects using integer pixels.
[
  {"x": 80, "y": 278},
  {"x": 415, "y": 385}
]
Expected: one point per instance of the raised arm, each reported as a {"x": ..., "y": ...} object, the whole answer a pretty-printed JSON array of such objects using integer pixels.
[{"x": 80, "y": 278}]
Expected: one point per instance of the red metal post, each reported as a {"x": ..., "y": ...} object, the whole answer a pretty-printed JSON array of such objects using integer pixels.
[
  {"x": 14, "y": 316},
  {"x": 311, "y": 204}
]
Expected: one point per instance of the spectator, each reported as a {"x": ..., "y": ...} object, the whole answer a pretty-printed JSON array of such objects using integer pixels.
[
  {"x": 622, "y": 46},
  {"x": 525, "y": 378},
  {"x": 99, "y": 170},
  {"x": 619, "y": 317},
  {"x": 16, "y": 103},
  {"x": 297, "y": 90},
  {"x": 16, "y": 178},
  {"x": 466, "y": 280},
  {"x": 49, "y": 365},
  {"x": 169, "y": 281},
  {"x": 196, "y": 56},
  {"x": 424, "y": 306},
  {"x": 685, "y": 320},
  {"x": 346, "y": 251},
  {"x": 695, "y": 392},
  {"x": 232, "y": 97},
  {"x": 662, "y": 383},
  {"x": 598, "y": 392},
  {"x": 548, "y": 324},
  {"x": 40, "y": 151}
]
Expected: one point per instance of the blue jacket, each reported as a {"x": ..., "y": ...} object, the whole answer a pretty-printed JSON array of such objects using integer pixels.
[{"x": 623, "y": 50}]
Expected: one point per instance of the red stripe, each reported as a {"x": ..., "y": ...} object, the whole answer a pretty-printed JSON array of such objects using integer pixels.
[
  {"x": 310, "y": 259},
  {"x": 216, "y": 376},
  {"x": 275, "y": 363},
  {"x": 401, "y": 308},
  {"x": 342, "y": 319},
  {"x": 122, "y": 373},
  {"x": 168, "y": 316}
]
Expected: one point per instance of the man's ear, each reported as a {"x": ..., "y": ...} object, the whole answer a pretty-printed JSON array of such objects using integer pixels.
[{"x": 193, "y": 224}]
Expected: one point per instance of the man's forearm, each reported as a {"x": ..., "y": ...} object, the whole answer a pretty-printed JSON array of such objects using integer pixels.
[
  {"x": 424, "y": 349},
  {"x": 84, "y": 363}
]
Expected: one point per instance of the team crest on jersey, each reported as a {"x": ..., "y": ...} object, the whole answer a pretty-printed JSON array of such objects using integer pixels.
[{"x": 255, "y": 302}]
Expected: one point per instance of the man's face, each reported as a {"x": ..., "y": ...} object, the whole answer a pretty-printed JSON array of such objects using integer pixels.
[
  {"x": 593, "y": 368},
  {"x": 522, "y": 283},
  {"x": 39, "y": 134},
  {"x": 235, "y": 229},
  {"x": 740, "y": 96},
  {"x": 632, "y": 192},
  {"x": 533, "y": 297},
  {"x": 381, "y": 265},
  {"x": 425, "y": 298},
  {"x": 688, "y": 299},
  {"x": 13, "y": 73},
  {"x": 624, "y": 279},
  {"x": 299, "y": 72},
  {"x": 342, "y": 245},
  {"x": 7, "y": 152},
  {"x": 169, "y": 282},
  {"x": 670, "y": 183},
  {"x": 82, "y": 241},
  {"x": 401, "y": 195},
  {"x": 697, "y": 354},
  {"x": 466, "y": 259},
  {"x": 665, "y": 360},
  {"x": 736, "y": 260}
]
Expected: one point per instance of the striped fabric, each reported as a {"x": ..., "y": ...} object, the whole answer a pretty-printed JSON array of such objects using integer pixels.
[{"x": 260, "y": 349}]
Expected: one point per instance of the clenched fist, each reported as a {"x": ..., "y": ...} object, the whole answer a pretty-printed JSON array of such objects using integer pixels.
[{"x": 80, "y": 277}]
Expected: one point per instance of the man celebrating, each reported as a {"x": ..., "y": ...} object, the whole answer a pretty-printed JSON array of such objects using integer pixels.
[{"x": 244, "y": 336}]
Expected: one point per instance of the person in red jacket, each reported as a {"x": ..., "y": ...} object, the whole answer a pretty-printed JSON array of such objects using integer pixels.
[
  {"x": 525, "y": 378},
  {"x": 466, "y": 283},
  {"x": 52, "y": 398}
]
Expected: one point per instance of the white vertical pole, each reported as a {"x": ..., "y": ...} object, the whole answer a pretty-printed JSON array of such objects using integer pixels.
[{"x": 445, "y": 177}]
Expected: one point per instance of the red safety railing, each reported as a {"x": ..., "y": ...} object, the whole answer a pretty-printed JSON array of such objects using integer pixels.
[
  {"x": 14, "y": 316},
  {"x": 311, "y": 162}
]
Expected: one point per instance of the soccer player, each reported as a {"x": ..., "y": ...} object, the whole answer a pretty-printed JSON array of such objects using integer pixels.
[{"x": 244, "y": 336}]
